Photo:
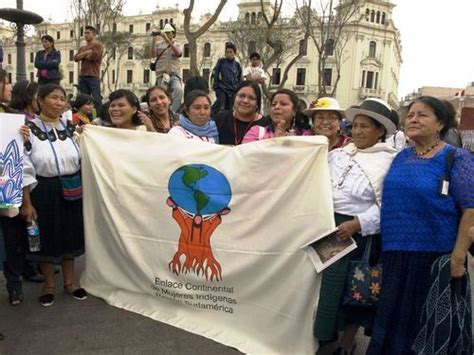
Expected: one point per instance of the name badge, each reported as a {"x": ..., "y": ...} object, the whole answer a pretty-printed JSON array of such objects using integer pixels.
[{"x": 444, "y": 188}]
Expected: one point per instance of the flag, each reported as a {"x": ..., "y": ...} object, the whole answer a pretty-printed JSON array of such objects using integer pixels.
[{"x": 208, "y": 238}]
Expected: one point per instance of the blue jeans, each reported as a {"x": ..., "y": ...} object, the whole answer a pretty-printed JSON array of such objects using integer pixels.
[
  {"x": 175, "y": 88},
  {"x": 90, "y": 85}
]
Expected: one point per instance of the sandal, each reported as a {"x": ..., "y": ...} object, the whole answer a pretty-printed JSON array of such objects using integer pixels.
[
  {"x": 77, "y": 292},
  {"x": 47, "y": 297},
  {"x": 15, "y": 298}
]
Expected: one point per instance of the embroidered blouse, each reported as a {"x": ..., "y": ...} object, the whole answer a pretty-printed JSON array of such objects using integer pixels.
[
  {"x": 415, "y": 216},
  {"x": 352, "y": 193},
  {"x": 39, "y": 158}
]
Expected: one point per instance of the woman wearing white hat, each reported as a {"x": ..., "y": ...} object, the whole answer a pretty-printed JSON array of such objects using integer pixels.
[
  {"x": 357, "y": 173},
  {"x": 327, "y": 115}
]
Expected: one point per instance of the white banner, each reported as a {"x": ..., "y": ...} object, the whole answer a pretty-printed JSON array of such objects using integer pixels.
[
  {"x": 205, "y": 237},
  {"x": 11, "y": 160}
]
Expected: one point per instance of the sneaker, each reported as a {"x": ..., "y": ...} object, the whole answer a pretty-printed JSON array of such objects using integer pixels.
[
  {"x": 77, "y": 292},
  {"x": 15, "y": 298},
  {"x": 46, "y": 300},
  {"x": 80, "y": 294}
]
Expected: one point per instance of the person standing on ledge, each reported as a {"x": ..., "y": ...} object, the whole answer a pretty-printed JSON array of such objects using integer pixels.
[{"x": 90, "y": 56}]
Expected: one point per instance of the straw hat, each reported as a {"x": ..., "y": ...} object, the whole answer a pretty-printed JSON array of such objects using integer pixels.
[{"x": 324, "y": 104}]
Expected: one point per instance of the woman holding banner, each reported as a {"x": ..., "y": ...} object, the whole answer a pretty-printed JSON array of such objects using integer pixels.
[
  {"x": 357, "y": 172},
  {"x": 124, "y": 112},
  {"x": 52, "y": 193}
]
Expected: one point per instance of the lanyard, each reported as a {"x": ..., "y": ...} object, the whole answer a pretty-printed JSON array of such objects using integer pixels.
[
  {"x": 52, "y": 147},
  {"x": 238, "y": 140}
]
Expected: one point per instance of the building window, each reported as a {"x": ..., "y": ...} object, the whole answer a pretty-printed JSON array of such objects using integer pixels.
[
  {"x": 130, "y": 28},
  {"x": 9, "y": 60},
  {"x": 146, "y": 76},
  {"x": 32, "y": 57},
  {"x": 252, "y": 47},
  {"x": 372, "y": 16},
  {"x": 369, "y": 84},
  {"x": 71, "y": 77},
  {"x": 254, "y": 18},
  {"x": 113, "y": 76},
  {"x": 161, "y": 24},
  {"x": 367, "y": 14},
  {"x": 114, "y": 28},
  {"x": 376, "y": 83},
  {"x": 82, "y": 31},
  {"x": 186, "y": 74},
  {"x": 130, "y": 53},
  {"x": 206, "y": 73},
  {"x": 10, "y": 78},
  {"x": 329, "y": 47},
  {"x": 276, "y": 76},
  {"x": 71, "y": 34},
  {"x": 171, "y": 20},
  {"x": 378, "y": 17},
  {"x": 114, "y": 53},
  {"x": 32, "y": 76},
  {"x": 372, "y": 49},
  {"x": 129, "y": 76},
  {"x": 58, "y": 35},
  {"x": 383, "y": 19},
  {"x": 166, "y": 21},
  {"x": 300, "y": 76},
  {"x": 186, "y": 53},
  {"x": 71, "y": 55},
  {"x": 303, "y": 47},
  {"x": 362, "y": 84},
  {"x": 247, "y": 17},
  {"x": 207, "y": 50},
  {"x": 327, "y": 77},
  {"x": 147, "y": 27}
]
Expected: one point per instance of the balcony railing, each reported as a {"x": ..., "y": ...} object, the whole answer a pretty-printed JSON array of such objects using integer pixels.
[{"x": 366, "y": 92}]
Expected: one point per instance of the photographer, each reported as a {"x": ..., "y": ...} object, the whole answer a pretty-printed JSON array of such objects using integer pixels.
[{"x": 167, "y": 55}]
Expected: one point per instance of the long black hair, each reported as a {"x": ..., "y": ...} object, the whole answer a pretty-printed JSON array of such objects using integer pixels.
[
  {"x": 132, "y": 100},
  {"x": 23, "y": 94},
  {"x": 301, "y": 120}
]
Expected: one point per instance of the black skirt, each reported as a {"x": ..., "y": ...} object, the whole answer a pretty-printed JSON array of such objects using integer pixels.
[
  {"x": 405, "y": 285},
  {"x": 60, "y": 223}
]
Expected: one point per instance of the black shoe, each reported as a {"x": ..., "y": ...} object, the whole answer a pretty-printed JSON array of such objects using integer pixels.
[
  {"x": 2, "y": 337},
  {"x": 80, "y": 294},
  {"x": 46, "y": 300},
  {"x": 15, "y": 298},
  {"x": 38, "y": 278}
]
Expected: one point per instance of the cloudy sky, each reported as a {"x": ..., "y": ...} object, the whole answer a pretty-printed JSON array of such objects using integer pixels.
[{"x": 436, "y": 35}]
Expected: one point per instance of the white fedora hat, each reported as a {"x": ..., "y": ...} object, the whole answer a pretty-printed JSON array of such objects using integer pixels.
[{"x": 376, "y": 109}]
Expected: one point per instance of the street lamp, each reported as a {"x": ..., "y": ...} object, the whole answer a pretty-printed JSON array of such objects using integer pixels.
[{"x": 20, "y": 19}]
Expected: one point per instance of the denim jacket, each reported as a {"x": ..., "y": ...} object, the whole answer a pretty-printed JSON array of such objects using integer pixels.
[{"x": 50, "y": 63}]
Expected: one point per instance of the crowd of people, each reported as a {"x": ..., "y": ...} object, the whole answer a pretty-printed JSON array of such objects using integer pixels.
[{"x": 406, "y": 196}]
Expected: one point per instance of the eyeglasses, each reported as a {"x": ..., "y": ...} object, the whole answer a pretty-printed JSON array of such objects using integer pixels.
[{"x": 244, "y": 96}]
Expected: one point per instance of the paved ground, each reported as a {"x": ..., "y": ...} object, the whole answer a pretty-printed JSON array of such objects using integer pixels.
[{"x": 94, "y": 327}]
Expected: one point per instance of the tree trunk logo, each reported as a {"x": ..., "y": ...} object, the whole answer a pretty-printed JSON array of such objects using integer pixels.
[{"x": 199, "y": 197}]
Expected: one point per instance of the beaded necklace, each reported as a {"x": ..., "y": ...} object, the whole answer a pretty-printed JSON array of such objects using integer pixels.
[{"x": 426, "y": 151}]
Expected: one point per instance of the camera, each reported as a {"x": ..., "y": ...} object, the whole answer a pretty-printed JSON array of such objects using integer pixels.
[{"x": 155, "y": 33}]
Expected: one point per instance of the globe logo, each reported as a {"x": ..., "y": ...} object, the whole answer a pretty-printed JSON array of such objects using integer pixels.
[
  {"x": 199, "y": 197},
  {"x": 199, "y": 189}
]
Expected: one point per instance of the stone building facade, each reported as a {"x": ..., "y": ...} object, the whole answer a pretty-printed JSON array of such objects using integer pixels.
[{"x": 371, "y": 67}]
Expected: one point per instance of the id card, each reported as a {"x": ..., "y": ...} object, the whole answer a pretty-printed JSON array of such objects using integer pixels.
[{"x": 444, "y": 188}]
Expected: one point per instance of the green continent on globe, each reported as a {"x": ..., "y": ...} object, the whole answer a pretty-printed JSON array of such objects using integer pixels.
[{"x": 190, "y": 177}]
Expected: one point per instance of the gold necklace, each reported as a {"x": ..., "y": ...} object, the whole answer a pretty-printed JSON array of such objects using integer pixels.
[{"x": 429, "y": 149}]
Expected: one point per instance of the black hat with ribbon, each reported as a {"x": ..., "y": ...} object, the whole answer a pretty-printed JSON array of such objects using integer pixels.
[{"x": 376, "y": 109}]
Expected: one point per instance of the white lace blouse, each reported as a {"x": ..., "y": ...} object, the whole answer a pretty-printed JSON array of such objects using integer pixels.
[{"x": 352, "y": 193}]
